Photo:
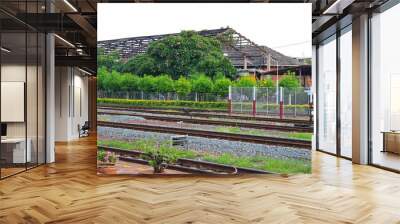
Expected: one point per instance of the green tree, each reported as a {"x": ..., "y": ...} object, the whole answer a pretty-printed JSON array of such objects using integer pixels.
[
  {"x": 141, "y": 64},
  {"x": 183, "y": 86},
  {"x": 245, "y": 81},
  {"x": 163, "y": 84},
  {"x": 268, "y": 83},
  {"x": 147, "y": 84},
  {"x": 221, "y": 86},
  {"x": 101, "y": 76},
  {"x": 182, "y": 54},
  {"x": 130, "y": 82},
  {"x": 113, "y": 81},
  {"x": 201, "y": 84},
  {"x": 110, "y": 61},
  {"x": 216, "y": 63},
  {"x": 289, "y": 81}
]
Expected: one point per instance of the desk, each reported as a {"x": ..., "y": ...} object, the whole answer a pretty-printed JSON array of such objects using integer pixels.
[
  {"x": 13, "y": 150},
  {"x": 391, "y": 141}
]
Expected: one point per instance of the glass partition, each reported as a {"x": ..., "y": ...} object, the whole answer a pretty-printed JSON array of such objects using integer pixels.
[
  {"x": 346, "y": 93},
  {"x": 22, "y": 101},
  {"x": 327, "y": 95},
  {"x": 385, "y": 89},
  {"x": 31, "y": 97},
  {"x": 41, "y": 96},
  {"x": 13, "y": 115}
]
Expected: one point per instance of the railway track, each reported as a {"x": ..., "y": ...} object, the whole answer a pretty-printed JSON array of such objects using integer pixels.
[
  {"x": 209, "y": 115},
  {"x": 211, "y": 134},
  {"x": 186, "y": 165},
  {"x": 215, "y": 122}
]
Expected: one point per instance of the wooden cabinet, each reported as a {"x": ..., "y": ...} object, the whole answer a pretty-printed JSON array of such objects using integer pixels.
[{"x": 391, "y": 142}]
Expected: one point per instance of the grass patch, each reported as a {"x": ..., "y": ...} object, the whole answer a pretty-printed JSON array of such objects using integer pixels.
[
  {"x": 287, "y": 166},
  {"x": 238, "y": 130},
  {"x": 300, "y": 135},
  {"x": 148, "y": 145}
]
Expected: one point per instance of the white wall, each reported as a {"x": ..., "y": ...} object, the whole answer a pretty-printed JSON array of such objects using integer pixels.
[
  {"x": 71, "y": 102},
  {"x": 12, "y": 73},
  {"x": 33, "y": 126}
]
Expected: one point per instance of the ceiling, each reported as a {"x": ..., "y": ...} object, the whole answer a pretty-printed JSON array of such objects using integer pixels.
[{"x": 75, "y": 21}]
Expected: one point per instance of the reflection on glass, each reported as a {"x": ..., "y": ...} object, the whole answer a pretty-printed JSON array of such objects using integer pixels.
[
  {"x": 41, "y": 99},
  {"x": 14, "y": 153},
  {"x": 327, "y": 96},
  {"x": 346, "y": 94},
  {"x": 31, "y": 97}
]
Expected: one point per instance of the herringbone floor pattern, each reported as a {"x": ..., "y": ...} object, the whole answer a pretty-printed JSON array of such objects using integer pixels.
[{"x": 69, "y": 191}]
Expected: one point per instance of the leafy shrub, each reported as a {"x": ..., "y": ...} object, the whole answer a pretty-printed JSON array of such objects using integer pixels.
[
  {"x": 147, "y": 84},
  {"x": 183, "y": 86},
  {"x": 163, "y": 84},
  {"x": 106, "y": 157},
  {"x": 267, "y": 83},
  {"x": 130, "y": 82},
  {"x": 183, "y": 103},
  {"x": 245, "y": 81},
  {"x": 165, "y": 103},
  {"x": 289, "y": 80},
  {"x": 159, "y": 157},
  {"x": 202, "y": 84},
  {"x": 221, "y": 86}
]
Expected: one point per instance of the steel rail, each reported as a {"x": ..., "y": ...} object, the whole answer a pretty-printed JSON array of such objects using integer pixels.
[
  {"x": 211, "y": 134},
  {"x": 187, "y": 165},
  {"x": 214, "y": 122},
  {"x": 208, "y": 115}
]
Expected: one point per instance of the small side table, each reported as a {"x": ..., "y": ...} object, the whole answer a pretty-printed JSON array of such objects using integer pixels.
[{"x": 391, "y": 141}]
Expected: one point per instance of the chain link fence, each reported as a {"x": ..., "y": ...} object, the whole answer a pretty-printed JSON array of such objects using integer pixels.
[
  {"x": 140, "y": 95},
  {"x": 271, "y": 101},
  {"x": 246, "y": 100},
  {"x": 242, "y": 99}
]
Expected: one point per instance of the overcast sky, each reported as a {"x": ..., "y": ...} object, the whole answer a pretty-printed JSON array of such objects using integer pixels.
[{"x": 283, "y": 27}]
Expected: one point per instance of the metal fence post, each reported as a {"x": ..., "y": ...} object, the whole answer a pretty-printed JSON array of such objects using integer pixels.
[
  {"x": 295, "y": 102},
  {"x": 281, "y": 103},
  {"x": 230, "y": 100},
  {"x": 241, "y": 100},
  {"x": 267, "y": 100},
  {"x": 254, "y": 101}
]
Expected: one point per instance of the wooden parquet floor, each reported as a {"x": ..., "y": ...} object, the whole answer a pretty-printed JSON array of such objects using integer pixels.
[{"x": 69, "y": 191}]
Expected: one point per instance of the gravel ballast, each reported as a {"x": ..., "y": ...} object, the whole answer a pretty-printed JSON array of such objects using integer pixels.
[
  {"x": 209, "y": 145},
  {"x": 206, "y": 127}
]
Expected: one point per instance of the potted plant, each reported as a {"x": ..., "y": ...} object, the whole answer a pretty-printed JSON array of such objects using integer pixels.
[{"x": 105, "y": 158}]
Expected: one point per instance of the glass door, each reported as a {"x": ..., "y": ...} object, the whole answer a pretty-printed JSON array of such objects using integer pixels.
[{"x": 385, "y": 89}]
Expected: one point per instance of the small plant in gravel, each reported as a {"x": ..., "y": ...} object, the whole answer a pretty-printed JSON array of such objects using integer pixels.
[
  {"x": 106, "y": 157},
  {"x": 161, "y": 156}
]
